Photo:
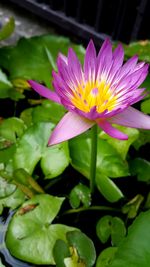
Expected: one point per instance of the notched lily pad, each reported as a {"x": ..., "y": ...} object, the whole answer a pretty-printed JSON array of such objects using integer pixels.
[
  {"x": 32, "y": 148},
  {"x": 31, "y": 236}
]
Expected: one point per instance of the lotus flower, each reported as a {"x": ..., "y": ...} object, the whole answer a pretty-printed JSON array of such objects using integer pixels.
[{"x": 101, "y": 92}]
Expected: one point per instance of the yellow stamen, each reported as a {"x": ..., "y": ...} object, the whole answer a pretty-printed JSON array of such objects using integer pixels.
[{"x": 93, "y": 94}]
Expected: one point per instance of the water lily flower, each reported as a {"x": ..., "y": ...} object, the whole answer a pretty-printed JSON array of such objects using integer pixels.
[{"x": 101, "y": 92}]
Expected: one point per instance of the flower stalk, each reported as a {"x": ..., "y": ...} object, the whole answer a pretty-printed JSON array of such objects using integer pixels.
[{"x": 93, "y": 157}]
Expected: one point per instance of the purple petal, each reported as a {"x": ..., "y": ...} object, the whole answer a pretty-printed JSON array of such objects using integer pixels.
[
  {"x": 90, "y": 62},
  {"x": 70, "y": 126},
  {"x": 104, "y": 60},
  {"x": 44, "y": 91},
  {"x": 75, "y": 66},
  {"x": 133, "y": 118},
  {"x": 117, "y": 61},
  {"x": 110, "y": 130}
]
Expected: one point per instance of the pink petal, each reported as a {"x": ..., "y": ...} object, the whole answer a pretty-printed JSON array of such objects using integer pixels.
[
  {"x": 113, "y": 132},
  {"x": 133, "y": 118},
  {"x": 70, "y": 126},
  {"x": 44, "y": 91},
  {"x": 90, "y": 62}
]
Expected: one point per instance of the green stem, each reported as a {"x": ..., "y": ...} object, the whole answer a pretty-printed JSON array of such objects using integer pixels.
[
  {"x": 93, "y": 157},
  {"x": 91, "y": 208}
]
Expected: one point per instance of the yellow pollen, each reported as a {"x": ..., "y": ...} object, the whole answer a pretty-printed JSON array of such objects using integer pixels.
[{"x": 94, "y": 94}]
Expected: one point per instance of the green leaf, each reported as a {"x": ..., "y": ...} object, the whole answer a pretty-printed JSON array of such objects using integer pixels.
[
  {"x": 108, "y": 188},
  {"x": 132, "y": 207},
  {"x": 7, "y": 29},
  {"x": 37, "y": 65},
  {"x": 122, "y": 147},
  {"x": 48, "y": 111},
  {"x": 32, "y": 148},
  {"x": 5, "y": 85},
  {"x": 60, "y": 252},
  {"x": 6, "y": 188},
  {"x": 143, "y": 139},
  {"x": 84, "y": 246},
  {"x": 111, "y": 226},
  {"x": 141, "y": 168},
  {"x": 31, "y": 236},
  {"x": 80, "y": 193},
  {"x": 26, "y": 116},
  {"x": 134, "y": 249},
  {"x": 12, "y": 128},
  {"x": 103, "y": 228},
  {"x": 109, "y": 161},
  {"x": 106, "y": 257},
  {"x": 141, "y": 48},
  {"x": 12, "y": 201},
  {"x": 118, "y": 231},
  {"x": 145, "y": 106},
  {"x": 55, "y": 159}
]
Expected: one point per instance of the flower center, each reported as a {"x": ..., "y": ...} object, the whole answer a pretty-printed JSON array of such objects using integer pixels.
[{"x": 96, "y": 94}]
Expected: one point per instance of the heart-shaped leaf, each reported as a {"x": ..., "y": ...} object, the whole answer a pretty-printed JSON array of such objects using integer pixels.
[{"x": 31, "y": 236}]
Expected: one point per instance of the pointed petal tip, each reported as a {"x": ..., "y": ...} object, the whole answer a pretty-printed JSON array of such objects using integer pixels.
[
  {"x": 44, "y": 91},
  {"x": 112, "y": 131}
]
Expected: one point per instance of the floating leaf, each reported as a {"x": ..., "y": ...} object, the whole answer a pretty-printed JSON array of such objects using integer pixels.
[
  {"x": 80, "y": 193},
  {"x": 111, "y": 226},
  {"x": 145, "y": 106},
  {"x": 84, "y": 246},
  {"x": 48, "y": 111},
  {"x": 143, "y": 139},
  {"x": 5, "y": 85},
  {"x": 31, "y": 236},
  {"x": 140, "y": 48},
  {"x": 141, "y": 168},
  {"x": 12, "y": 201},
  {"x": 37, "y": 64},
  {"x": 134, "y": 249},
  {"x": 6, "y": 188},
  {"x": 103, "y": 228},
  {"x": 122, "y": 147},
  {"x": 109, "y": 161},
  {"x": 106, "y": 256},
  {"x": 108, "y": 188},
  {"x": 60, "y": 252},
  {"x": 12, "y": 128},
  {"x": 32, "y": 148}
]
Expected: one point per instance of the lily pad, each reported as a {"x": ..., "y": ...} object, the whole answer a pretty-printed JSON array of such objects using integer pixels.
[
  {"x": 37, "y": 64},
  {"x": 134, "y": 249},
  {"x": 12, "y": 201},
  {"x": 111, "y": 226},
  {"x": 106, "y": 257},
  {"x": 32, "y": 147},
  {"x": 12, "y": 128},
  {"x": 31, "y": 236},
  {"x": 141, "y": 168},
  {"x": 122, "y": 147},
  {"x": 80, "y": 194},
  {"x": 5, "y": 85}
]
